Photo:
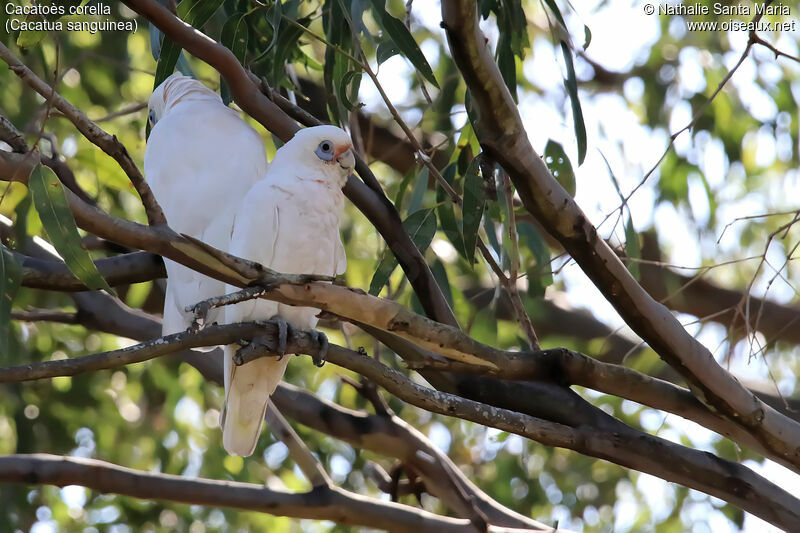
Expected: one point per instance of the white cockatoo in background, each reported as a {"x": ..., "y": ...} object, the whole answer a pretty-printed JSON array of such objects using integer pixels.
[
  {"x": 289, "y": 222},
  {"x": 200, "y": 161}
]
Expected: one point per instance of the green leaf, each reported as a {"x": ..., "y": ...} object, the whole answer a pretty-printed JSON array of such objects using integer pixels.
[
  {"x": 577, "y": 113},
  {"x": 51, "y": 204},
  {"x": 447, "y": 216},
  {"x": 196, "y": 16},
  {"x": 30, "y": 38},
  {"x": 560, "y": 166},
  {"x": 539, "y": 274},
  {"x": 440, "y": 275},
  {"x": 632, "y": 247},
  {"x": 405, "y": 42},
  {"x": 234, "y": 36},
  {"x": 421, "y": 227},
  {"x": 401, "y": 190},
  {"x": 418, "y": 194},
  {"x": 507, "y": 64},
  {"x": 10, "y": 279},
  {"x": 348, "y": 89},
  {"x": 587, "y": 37},
  {"x": 472, "y": 210},
  {"x": 386, "y": 49},
  {"x": 287, "y": 42},
  {"x": 21, "y": 222},
  {"x": 491, "y": 233}
]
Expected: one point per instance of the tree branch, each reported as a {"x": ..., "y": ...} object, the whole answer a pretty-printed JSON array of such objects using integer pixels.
[
  {"x": 332, "y": 503},
  {"x": 502, "y": 134},
  {"x": 689, "y": 467}
]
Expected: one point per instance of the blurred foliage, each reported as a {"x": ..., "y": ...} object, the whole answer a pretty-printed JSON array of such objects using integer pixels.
[{"x": 739, "y": 159}]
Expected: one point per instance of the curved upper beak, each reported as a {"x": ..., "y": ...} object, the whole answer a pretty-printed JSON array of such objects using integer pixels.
[{"x": 346, "y": 159}]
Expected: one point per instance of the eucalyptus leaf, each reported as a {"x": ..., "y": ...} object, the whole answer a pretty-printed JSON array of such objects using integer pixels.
[
  {"x": 560, "y": 165},
  {"x": 196, "y": 16},
  {"x": 421, "y": 227},
  {"x": 632, "y": 247},
  {"x": 418, "y": 193},
  {"x": 10, "y": 279},
  {"x": 405, "y": 42},
  {"x": 472, "y": 210},
  {"x": 447, "y": 216},
  {"x": 234, "y": 36},
  {"x": 57, "y": 220},
  {"x": 577, "y": 113}
]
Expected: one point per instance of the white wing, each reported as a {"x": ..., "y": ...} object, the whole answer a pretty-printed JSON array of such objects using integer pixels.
[
  {"x": 201, "y": 160},
  {"x": 247, "y": 392}
]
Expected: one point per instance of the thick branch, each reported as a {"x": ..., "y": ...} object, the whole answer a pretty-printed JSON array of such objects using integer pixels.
[
  {"x": 502, "y": 134},
  {"x": 689, "y": 467},
  {"x": 123, "y": 269},
  {"x": 332, "y": 504}
]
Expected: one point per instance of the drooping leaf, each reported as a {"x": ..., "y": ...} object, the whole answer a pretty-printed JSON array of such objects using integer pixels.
[
  {"x": 421, "y": 227},
  {"x": 539, "y": 274},
  {"x": 491, "y": 233},
  {"x": 559, "y": 164},
  {"x": 386, "y": 49},
  {"x": 632, "y": 247},
  {"x": 348, "y": 89},
  {"x": 155, "y": 41},
  {"x": 472, "y": 210},
  {"x": 58, "y": 222},
  {"x": 405, "y": 42},
  {"x": 440, "y": 275},
  {"x": 571, "y": 82},
  {"x": 507, "y": 65},
  {"x": 287, "y": 42},
  {"x": 21, "y": 222},
  {"x": 10, "y": 279},
  {"x": 446, "y": 212},
  {"x": 402, "y": 188},
  {"x": 196, "y": 15},
  {"x": 234, "y": 36},
  {"x": 418, "y": 194},
  {"x": 577, "y": 113},
  {"x": 336, "y": 65}
]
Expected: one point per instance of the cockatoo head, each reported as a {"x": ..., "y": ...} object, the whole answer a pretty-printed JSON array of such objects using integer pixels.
[
  {"x": 174, "y": 89},
  {"x": 324, "y": 153}
]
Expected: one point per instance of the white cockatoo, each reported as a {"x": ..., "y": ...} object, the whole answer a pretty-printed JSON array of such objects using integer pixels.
[
  {"x": 289, "y": 222},
  {"x": 200, "y": 161}
]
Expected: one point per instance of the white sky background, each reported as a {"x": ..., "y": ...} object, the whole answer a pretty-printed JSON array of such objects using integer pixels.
[{"x": 621, "y": 37}]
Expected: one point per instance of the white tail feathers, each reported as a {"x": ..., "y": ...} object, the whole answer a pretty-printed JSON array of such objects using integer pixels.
[{"x": 247, "y": 392}]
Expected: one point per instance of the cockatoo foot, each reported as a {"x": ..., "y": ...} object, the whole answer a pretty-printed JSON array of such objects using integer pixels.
[
  {"x": 257, "y": 347},
  {"x": 200, "y": 311},
  {"x": 322, "y": 342}
]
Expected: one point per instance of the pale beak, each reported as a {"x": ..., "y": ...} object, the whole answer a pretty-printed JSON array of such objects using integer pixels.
[{"x": 346, "y": 159}]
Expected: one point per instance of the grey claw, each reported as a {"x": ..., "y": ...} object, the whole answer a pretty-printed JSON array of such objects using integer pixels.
[
  {"x": 322, "y": 340},
  {"x": 200, "y": 311}
]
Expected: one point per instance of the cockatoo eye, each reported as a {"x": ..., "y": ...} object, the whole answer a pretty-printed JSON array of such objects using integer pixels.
[
  {"x": 151, "y": 117},
  {"x": 325, "y": 151}
]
